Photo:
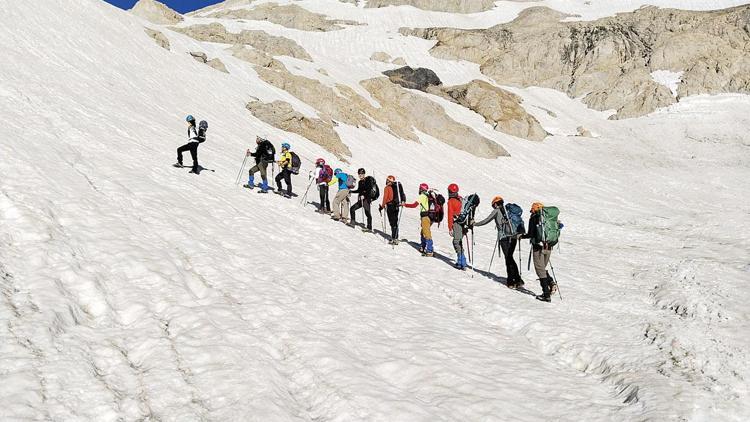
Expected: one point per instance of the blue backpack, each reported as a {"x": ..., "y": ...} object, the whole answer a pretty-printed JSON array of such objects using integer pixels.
[{"x": 515, "y": 217}]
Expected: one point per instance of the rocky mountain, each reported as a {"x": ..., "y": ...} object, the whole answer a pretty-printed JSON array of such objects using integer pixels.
[{"x": 609, "y": 62}]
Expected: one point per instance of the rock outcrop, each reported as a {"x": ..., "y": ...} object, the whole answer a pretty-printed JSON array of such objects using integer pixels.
[
  {"x": 156, "y": 12},
  {"x": 261, "y": 40},
  {"x": 403, "y": 110},
  {"x": 215, "y": 63},
  {"x": 255, "y": 57},
  {"x": 282, "y": 116},
  {"x": 160, "y": 39},
  {"x": 500, "y": 108},
  {"x": 400, "y": 112},
  {"x": 290, "y": 16},
  {"x": 608, "y": 62},
  {"x": 452, "y": 6},
  {"x": 420, "y": 78},
  {"x": 380, "y": 56}
]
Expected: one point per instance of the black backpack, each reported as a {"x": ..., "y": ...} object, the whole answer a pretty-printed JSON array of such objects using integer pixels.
[
  {"x": 468, "y": 207},
  {"x": 296, "y": 163},
  {"x": 373, "y": 191},
  {"x": 266, "y": 152},
  {"x": 399, "y": 197}
]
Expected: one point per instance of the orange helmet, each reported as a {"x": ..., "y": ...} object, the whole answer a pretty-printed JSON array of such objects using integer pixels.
[
  {"x": 497, "y": 199},
  {"x": 536, "y": 206}
]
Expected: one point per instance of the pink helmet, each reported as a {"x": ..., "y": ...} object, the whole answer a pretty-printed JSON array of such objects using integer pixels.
[{"x": 423, "y": 187}]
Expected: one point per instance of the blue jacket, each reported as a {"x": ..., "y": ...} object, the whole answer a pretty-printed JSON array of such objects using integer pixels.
[{"x": 341, "y": 178}]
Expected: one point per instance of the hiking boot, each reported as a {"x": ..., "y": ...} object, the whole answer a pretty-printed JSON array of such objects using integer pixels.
[
  {"x": 544, "y": 298},
  {"x": 335, "y": 218},
  {"x": 249, "y": 186},
  {"x": 366, "y": 230},
  {"x": 428, "y": 254},
  {"x": 194, "y": 171},
  {"x": 178, "y": 165},
  {"x": 512, "y": 286},
  {"x": 552, "y": 288},
  {"x": 262, "y": 191},
  {"x": 393, "y": 242}
]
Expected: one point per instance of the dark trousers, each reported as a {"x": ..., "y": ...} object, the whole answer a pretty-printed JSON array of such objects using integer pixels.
[
  {"x": 508, "y": 246},
  {"x": 193, "y": 148},
  {"x": 392, "y": 213},
  {"x": 286, "y": 176},
  {"x": 325, "y": 203},
  {"x": 361, "y": 203}
]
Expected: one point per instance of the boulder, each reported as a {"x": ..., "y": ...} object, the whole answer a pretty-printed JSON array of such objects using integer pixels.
[
  {"x": 419, "y": 79},
  {"x": 380, "y": 56},
  {"x": 156, "y": 12}
]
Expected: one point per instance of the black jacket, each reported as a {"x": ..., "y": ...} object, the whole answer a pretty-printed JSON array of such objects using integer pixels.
[
  {"x": 364, "y": 187},
  {"x": 264, "y": 151}
]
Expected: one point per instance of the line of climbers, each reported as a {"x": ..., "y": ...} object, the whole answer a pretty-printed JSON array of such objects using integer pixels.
[{"x": 544, "y": 226}]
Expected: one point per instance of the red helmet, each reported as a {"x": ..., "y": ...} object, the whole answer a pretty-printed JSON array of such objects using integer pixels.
[
  {"x": 453, "y": 188},
  {"x": 390, "y": 179},
  {"x": 423, "y": 187},
  {"x": 320, "y": 162}
]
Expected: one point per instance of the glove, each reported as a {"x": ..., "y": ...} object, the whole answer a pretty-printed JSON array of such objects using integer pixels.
[
  {"x": 380, "y": 209},
  {"x": 560, "y": 225},
  {"x": 450, "y": 232}
]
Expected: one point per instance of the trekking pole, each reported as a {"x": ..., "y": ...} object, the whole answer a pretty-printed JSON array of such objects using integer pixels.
[
  {"x": 493, "y": 251},
  {"x": 242, "y": 168},
  {"x": 520, "y": 259},
  {"x": 471, "y": 254},
  {"x": 304, "y": 197},
  {"x": 555, "y": 278},
  {"x": 528, "y": 263},
  {"x": 382, "y": 221}
]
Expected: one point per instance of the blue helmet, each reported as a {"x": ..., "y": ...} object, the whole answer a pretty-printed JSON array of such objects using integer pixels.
[
  {"x": 337, "y": 171},
  {"x": 285, "y": 146},
  {"x": 189, "y": 118}
]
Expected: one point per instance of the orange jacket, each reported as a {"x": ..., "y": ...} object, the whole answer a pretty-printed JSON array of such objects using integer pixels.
[
  {"x": 454, "y": 208},
  {"x": 387, "y": 195}
]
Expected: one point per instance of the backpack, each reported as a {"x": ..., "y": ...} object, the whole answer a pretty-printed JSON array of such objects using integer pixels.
[
  {"x": 296, "y": 163},
  {"x": 326, "y": 174},
  {"x": 373, "y": 193},
  {"x": 351, "y": 182},
  {"x": 548, "y": 231},
  {"x": 515, "y": 218},
  {"x": 435, "y": 212},
  {"x": 468, "y": 206},
  {"x": 399, "y": 197}
]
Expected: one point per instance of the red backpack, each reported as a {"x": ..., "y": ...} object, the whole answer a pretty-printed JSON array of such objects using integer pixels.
[{"x": 326, "y": 174}]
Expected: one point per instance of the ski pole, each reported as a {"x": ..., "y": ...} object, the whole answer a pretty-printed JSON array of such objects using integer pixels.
[
  {"x": 555, "y": 278},
  {"x": 242, "y": 168}
]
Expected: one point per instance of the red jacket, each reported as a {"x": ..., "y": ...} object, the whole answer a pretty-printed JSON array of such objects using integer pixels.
[{"x": 454, "y": 208}]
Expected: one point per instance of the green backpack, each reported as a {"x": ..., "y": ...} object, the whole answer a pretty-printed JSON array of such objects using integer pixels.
[{"x": 549, "y": 226}]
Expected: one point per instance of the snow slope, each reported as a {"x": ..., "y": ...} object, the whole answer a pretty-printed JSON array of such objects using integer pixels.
[{"x": 135, "y": 291}]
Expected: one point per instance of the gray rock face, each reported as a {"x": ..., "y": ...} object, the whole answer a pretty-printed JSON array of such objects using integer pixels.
[
  {"x": 158, "y": 37},
  {"x": 500, "y": 108},
  {"x": 290, "y": 16},
  {"x": 420, "y": 78},
  {"x": 156, "y": 12},
  {"x": 609, "y": 61},
  {"x": 273, "y": 45},
  {"x": 453, "y": 6},
  {"x": 282, "y": 116}
]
